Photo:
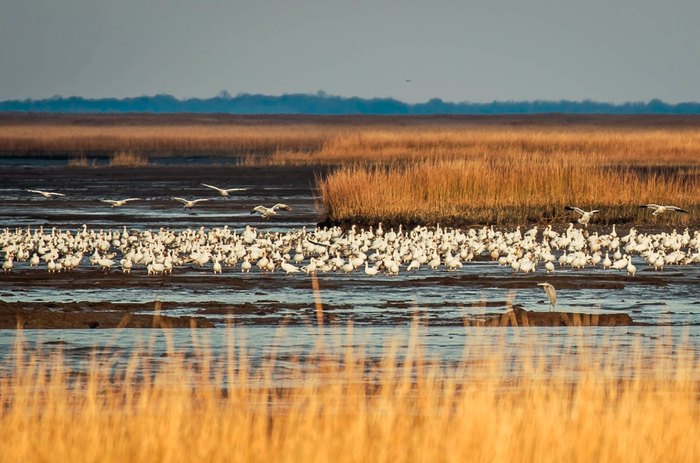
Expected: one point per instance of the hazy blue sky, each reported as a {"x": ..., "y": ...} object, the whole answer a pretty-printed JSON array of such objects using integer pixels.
[{"x": 608, "y": 50}]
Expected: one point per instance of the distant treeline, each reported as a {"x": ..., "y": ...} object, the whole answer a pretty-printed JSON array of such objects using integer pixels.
[{"x": 322, "y": 103}]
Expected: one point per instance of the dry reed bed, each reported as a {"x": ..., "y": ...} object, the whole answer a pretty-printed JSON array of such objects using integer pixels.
[
  {"x": 128, "y": 159},
  {"x": 401, "y": 408},
  {"x": 161, "y": 140},
  {"x": 524, "y": 188},
  {"x": 499, "y": 176},
  {"x": 309, "y": 143},
  {"x": 618, "y": 146},
  {"x": 425, "y": 173}
]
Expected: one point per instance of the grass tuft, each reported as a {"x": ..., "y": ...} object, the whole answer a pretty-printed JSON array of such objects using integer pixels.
[{"x": 128, "y": 159}]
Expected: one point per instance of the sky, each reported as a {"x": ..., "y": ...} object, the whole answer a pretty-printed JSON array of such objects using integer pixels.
[{"x": 478, "y": 51}]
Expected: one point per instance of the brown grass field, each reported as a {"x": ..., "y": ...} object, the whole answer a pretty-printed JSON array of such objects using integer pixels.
[
  {"x": 403, "y": 407},
  {"x": 456, "y": 170}
]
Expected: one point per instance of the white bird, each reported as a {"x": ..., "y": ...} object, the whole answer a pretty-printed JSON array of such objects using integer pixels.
[
  {"x": 46, "y": 194},
  {"x": 585, "y": 215},
  {"x": 223, "y": 191},
  {"x": 119, "y": 202},
  {"x": 189, "y": 204},
  {"x": 269, "y": 211},
  {"x": 289, "y": 268},
  {"x": 551, "y": 293},
  {"x": 658, "y": 209},
  {"x": 371, "y": 271}
]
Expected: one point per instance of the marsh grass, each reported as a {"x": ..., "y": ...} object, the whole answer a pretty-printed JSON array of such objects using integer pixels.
[
  {"x": 425, "y": 170},
  {"x": 342, "y": 405},
  {"x": 157, "y": 139},
  {"x": 82, "y": 162},
  {"x": 524, "y": 189},
  {"x": 653, "y": 147},
  {"x": 128, "y": 159},
  {"x": 78, "y": 161}
]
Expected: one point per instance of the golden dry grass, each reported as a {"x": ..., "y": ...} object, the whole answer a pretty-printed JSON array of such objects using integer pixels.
[
  {"x": 498, "y": 176},
  {"x": 402, "y": 408},
  {"x": 161, "y": 140},
  {"x": 79, "y": 161},
  {"x": 507, "y": 189},
  {"x": 616, "y": 146},
  {"x": 128, "y": 159},
  {"x": 452, "y": 170},
  {"x": 337, "y": 140}
]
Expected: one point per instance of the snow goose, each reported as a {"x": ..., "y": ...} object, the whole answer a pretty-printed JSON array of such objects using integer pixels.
[
  {"x": 119, "y": 202},
  {"x": 223, "y": 191},
  {"x": 7, "y": 265},
  {"x": 189, "y": 204},
  {"x": 370, "y": 271},
  {"x": 659, "y": 209},
  {"x": 266, "y": 212},
  {"x": 46, "y": 194},
  {"x": 585, "y": 215},
  {"x": 289, "y": 268}
]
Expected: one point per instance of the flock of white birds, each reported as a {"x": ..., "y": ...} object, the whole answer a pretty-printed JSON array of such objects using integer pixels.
[
  {"x": 265, "y": 212},
  {"x": 321, "y": 250}
]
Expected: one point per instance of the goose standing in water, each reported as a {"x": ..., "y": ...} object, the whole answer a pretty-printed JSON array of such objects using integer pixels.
[
  {"x": 119, "y": 202},
  {"x": 189, "y": 204},
  {"x": 223, "y": 191},
  {"x": 266, "y": 212},
  {"x": 585, "y": 215},
  {"x": 46, "y": 194},
  {"x": 8, "y": 264},
  {"x": 658, "y": 209}
]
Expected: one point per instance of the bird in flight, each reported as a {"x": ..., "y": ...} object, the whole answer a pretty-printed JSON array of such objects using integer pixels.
[
  {"x": 223, "y": 191},
  {"x": 551, "y": 293},
  {"x": 189, "y": 204},
  {"x": 119, "y": 202},
  {"x": 46, "y": 194},
  {"x": 658, "y": 209},
  {"x": 585, "y": 215},
  {"x": 266, "y": 212},
  {"x": 407, "y": 80}
]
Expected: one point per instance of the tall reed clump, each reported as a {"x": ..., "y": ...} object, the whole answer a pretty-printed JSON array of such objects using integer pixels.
[
  {"x": 82, "y": 161},
  {"x": 128, "y": 159},
  {"x": 79, "y": 161},
  {"x": 402, "y": 407},
  {"x": 506, "y": 189}
]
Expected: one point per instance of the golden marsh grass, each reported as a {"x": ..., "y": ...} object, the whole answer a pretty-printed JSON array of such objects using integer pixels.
[
  {"x": 128, "y": 159},
  {"x": 346, "y": 407},
  {"x": 616, "y": 146},
  {"x": 496, "y": 190},
  {"x": 453, "y": 170}
]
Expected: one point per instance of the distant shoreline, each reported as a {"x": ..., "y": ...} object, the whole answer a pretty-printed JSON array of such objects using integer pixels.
[{"x": 323, "y": 104}]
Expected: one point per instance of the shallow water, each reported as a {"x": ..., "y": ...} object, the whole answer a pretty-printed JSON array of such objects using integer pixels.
[
  {"x": 379, "y": 307},
  {"x": 567, "y": 348}
]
